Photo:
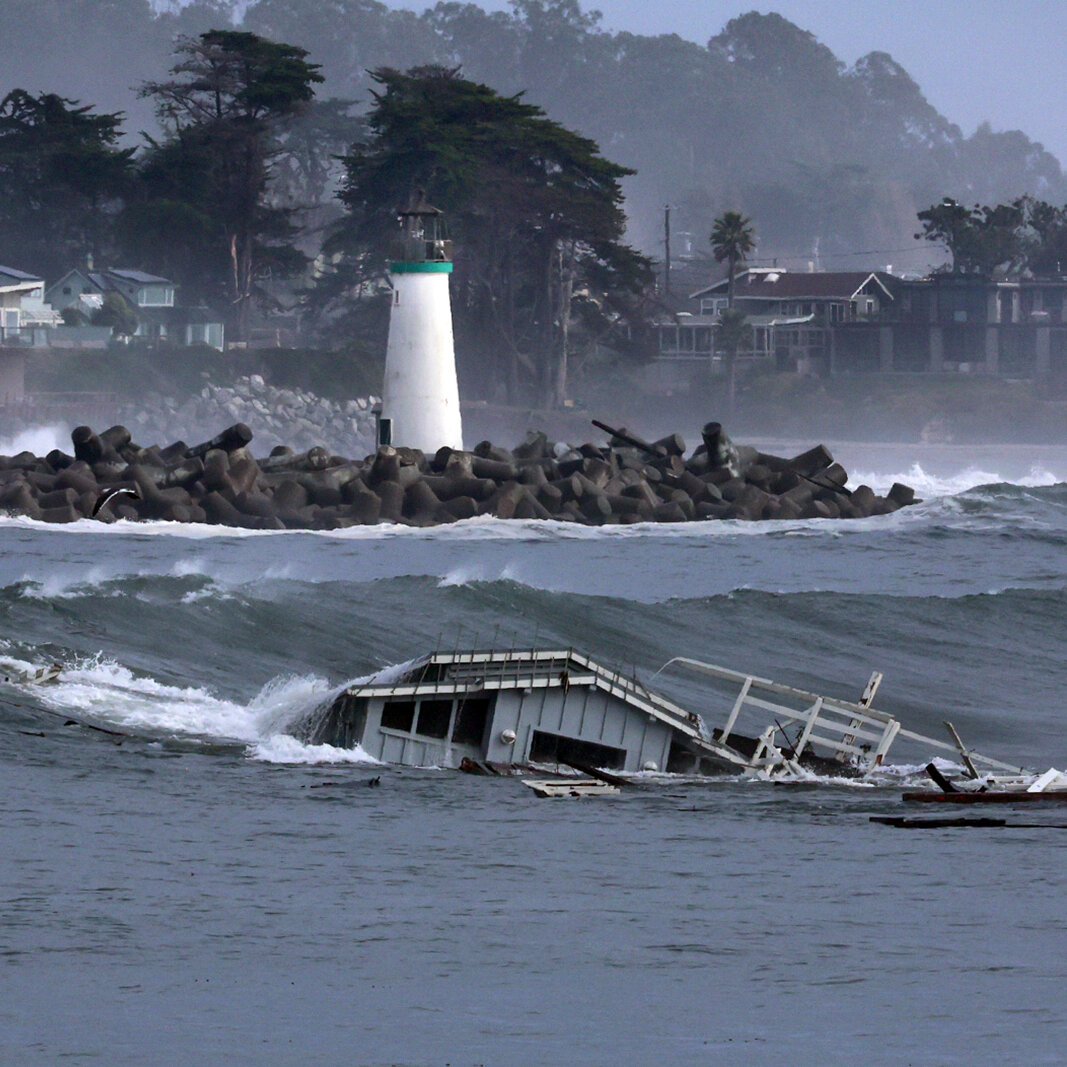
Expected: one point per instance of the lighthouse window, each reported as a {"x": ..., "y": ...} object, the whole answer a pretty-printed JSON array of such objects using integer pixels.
[{"x": 396, "y": 296}]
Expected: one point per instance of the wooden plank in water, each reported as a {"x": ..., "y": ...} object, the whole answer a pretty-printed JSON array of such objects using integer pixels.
[
  {"x": 570, "y": 787},
  {"x": 903, "y": 822},
  {"x": 985, "y": 798},
  {"x": 595, "y": 772}
]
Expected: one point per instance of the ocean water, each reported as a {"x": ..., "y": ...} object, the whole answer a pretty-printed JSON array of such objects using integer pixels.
[{"x": 189, "y": 883}]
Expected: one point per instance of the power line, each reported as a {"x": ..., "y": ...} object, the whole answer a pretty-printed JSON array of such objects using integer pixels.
[{"x": 840, "y": 255}]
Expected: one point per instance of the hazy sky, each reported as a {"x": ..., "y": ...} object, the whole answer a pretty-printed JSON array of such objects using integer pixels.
[{"x": 1001, "y": 60}]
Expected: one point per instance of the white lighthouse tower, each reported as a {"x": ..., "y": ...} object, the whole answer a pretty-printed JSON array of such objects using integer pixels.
[{"x": 420, "y": 399}]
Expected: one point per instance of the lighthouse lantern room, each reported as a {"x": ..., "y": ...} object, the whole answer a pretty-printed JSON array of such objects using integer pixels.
[{"x": 420, "y": 397}]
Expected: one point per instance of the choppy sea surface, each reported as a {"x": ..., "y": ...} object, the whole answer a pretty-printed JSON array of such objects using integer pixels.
[{"x": 189, "y": 883}]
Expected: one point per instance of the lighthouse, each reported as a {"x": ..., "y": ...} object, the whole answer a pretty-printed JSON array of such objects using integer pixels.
[{"x": 420, "y": 398}]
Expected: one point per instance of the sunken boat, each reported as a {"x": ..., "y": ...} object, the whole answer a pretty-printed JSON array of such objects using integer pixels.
[{"x": 501, "y": 711}]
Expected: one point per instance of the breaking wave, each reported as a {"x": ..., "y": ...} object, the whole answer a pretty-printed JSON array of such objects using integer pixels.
[{"x": 100, "y": 693}]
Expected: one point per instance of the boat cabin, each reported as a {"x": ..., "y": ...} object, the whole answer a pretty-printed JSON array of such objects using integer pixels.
[{"x": 517, "y": 707}]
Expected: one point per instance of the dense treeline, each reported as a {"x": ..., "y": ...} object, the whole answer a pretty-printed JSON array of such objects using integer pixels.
[
  {"x": 274, "y": 154},
  {"x": 1026, "y": 237},
  {"x": 542, "y": 271},
  {"x": 832, "y": 161}
]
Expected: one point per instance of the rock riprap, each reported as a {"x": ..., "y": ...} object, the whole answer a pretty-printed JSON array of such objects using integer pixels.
[
  {"x": 277, "y": 415},
  {"x": 625, "y": 481}
]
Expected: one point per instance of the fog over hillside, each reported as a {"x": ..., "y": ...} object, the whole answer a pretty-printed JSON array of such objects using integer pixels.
[{"x": 831, "y": 161}]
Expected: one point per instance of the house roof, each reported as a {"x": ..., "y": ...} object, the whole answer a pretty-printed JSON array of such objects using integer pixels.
[
  {"x": 783, "y": 285},
  {"x": 70, "y": 274},
  {"x": 12, "y": 280},
  {"x": 445, "y": 674},
  {"x": 139, "y": 277},
  {"x": 19, "y": 275},
  {"x": 101, "y": 280}
]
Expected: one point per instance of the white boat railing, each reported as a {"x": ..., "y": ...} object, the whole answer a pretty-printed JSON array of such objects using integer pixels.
[{"x": 850, "y": 732}]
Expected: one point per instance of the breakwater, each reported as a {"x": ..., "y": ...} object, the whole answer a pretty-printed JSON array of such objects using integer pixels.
[{"x": 627, "y": 480}]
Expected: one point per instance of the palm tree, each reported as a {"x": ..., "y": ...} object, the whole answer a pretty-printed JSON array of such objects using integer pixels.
[{"x": 732, "y": 238}]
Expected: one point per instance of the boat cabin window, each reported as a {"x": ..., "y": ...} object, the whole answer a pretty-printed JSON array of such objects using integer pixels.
[
  {"x": 434, "y": 718},
  {"x": 398, "y": 715},
  {"x": 470, "y": 721},
  {"x": 552, "y": 748}
]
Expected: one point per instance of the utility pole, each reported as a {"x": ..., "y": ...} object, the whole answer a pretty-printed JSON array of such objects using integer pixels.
[{"x": 666, "y": 249}]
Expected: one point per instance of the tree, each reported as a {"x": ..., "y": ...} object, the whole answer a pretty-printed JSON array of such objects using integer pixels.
[
  {"x": 61, "y": 176},
  {"x": 534, "y": 209},
  {"x": 116, "y": 312},
  {"x": 309, "y": 145},
  {"x": 980, "y": 239},
  {"x": 1043, "y": 236},
  {"x": 221, "y": 111},
  {"x": 732, "y": 238}
]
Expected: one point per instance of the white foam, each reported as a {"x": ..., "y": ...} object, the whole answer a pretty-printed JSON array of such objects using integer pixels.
[
  {"x": 57, "y": 586},
  {"x": 930, "y": 485},
  {"x": 190, "y": 567},
  {"x": 104, "y": 693},
  {"x": 468, "y": 573},
  {"x": 284, "y": 748},
  {"x": 40, "y": 440}
]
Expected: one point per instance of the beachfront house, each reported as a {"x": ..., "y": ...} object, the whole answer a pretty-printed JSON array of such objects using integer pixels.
[{"x": 151, "y": 298}]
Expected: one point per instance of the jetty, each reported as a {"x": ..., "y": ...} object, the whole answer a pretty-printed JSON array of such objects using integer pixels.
[{"x": 626, "y": 480}]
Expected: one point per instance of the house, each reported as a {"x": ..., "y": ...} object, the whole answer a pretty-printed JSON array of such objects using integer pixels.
[
  {"x": 23, "y": 312},
  {"x": 501, "y": 711},
  {"x": 150, "y": 297},
  {"x": 967, "y": 323},
  {"x": 85, "y": 290},
  {"x": 25, "y": 323},
  {"x": 858, "y": 322},
  {"x": 517, "y": 707},
  {"x": 796, "y": 312},
  {"x": 790, "y": 314}
]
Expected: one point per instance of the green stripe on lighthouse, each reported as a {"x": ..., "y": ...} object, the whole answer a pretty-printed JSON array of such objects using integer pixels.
[{"x": 424, "y": 267}]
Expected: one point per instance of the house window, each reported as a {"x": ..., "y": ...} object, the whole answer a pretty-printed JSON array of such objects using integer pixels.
[
  {"x": 552, "y": 748},
  {"x": 470, "y": 721},
  {"x": 434, "y": 718},
  {"x": 155, "y": 296},
  {"x": 398, "y": 715}
]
